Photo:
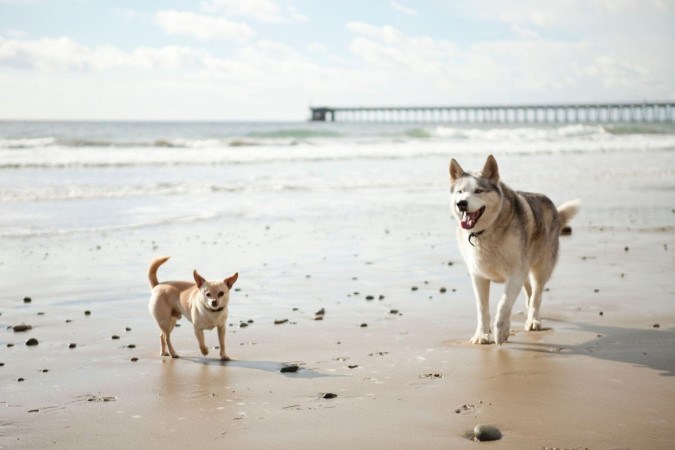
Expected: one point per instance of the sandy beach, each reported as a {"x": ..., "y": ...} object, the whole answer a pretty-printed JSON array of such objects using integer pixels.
[{"x": 399, "y": 310}]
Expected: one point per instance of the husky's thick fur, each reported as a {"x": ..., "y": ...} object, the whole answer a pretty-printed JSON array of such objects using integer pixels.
[
  {"x": 204, "y": 303},
  {"x": 506, "y": 237}
]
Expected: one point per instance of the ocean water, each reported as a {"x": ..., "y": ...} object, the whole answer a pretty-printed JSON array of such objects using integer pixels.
[{"x": 78, "y": 177}]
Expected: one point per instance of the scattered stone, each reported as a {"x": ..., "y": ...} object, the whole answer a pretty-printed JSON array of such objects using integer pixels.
[
  {"x": 20, "y": 380},
  {"x": 68, "y": 320},
  {"x": 33, "y": 410},
  {"x": 134, "y": 359},
  {"x": 31, "y": 342},
  {"x": 378, "y": 353},
  {"x": 127, "y": 329},
  {"x": 364, "y": 325},
  {"x": 318, "y": 317},
  {"x": 280, "y": 321},
  {"x": 656, "y": 325},
  {"x": 243, "y": 325},
  {"x": 596, "y": 290},
  {"x": 9, "y": 344},
  {"x": 601, "y": 313},
  {"x": 486, "y": 433},
  {"x": 565, "y": 231},
  {"x": 393, "y": 311},
  {"x": 2, "y": 364},
  {"x": 114, "y": 336},
  {"x": 40, "y": 313},
  {"x": 294, "y": 309},
  {"x": 131, "y": 346},
  {"x": 329, "y": 395},
  {"x": 27, "y": 299},
  {"x": 320, "y": 312},
  {"x": 381, "y": 297},
  {"x": 19, "y": 328},
  {"x": 72, "y": 345},
  {"x": 250, "y": 320},
  {"x": 464, "y": 409},
  {"x": 87, "y": 313},
  {"x": 625, "y": 249},
  {"x": 290, "y": 368},
  {"x": 44, "y": 370},
  {"x": 414, "y": 288},
  {"x": 432, "y": 375},
  {"x": 353, "y": 366},
  {"x": 370, "y": 297},
  {"x": 443, "y": 290},
  {"x": 450, "y": 263}
]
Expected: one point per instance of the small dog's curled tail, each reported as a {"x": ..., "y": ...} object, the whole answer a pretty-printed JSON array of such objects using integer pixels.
[
  {"x": 152, "y": 270},
  {"x": 567, "y": 211}
]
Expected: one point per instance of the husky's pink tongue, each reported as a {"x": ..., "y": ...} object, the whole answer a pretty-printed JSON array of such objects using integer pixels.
[{"x": 469, "y": 220}]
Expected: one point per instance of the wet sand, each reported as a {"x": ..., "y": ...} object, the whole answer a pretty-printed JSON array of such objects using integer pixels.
[{"x": 599, "y": 376}]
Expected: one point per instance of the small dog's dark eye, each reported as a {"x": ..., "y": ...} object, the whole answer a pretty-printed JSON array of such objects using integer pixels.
[
  {"x": 221, "y": 293},
  {"x": 479, "y": 191},
  {"x": 208, "y": 294},
  {"x": 459, "y": 192}
]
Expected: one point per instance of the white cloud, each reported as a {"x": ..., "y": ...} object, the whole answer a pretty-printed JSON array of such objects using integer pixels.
[
  {"x": 403, "y": 9},
  {"x": 260, "y": 10},
  {"x": 206, "y": 28}
]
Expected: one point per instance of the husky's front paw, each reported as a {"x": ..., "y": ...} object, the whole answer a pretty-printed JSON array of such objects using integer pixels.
[
  {"x": 204, "y": 350},
  {"x": 481, "y": 338},
  {"x": 533, "y": 325},
  {"x": 502, "y": 331}
]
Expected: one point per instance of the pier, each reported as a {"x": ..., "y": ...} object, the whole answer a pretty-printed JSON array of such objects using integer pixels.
[{"x": 545, "y": 113}]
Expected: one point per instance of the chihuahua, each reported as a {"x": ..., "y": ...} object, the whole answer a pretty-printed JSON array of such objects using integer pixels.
[{"x": 204, "y": 304}]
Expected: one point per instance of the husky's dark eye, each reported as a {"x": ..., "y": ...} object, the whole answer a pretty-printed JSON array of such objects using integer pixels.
[
  {"x": 479, "y": 191},
  {"x": 220, "y": 294},
  {"x": 208, "y": 294}
]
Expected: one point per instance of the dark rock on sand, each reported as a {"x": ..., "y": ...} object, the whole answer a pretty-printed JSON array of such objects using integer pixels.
[
  {"x": 134, "y": 359},
  {"x": 114, "y": 336},
  {"x": 370, "y": 297},
  {"x": 19, "y": 328},
  {"x": 443, "y": 290},
  {"x": 353, "y": 366},
  {"x": 320, "y": 312},
  {"x": 87, "y": 313},
  {"x": 329, "y": 395},
  {"x": 414, "y": 288},
  {"x": 72, "y": 345},
  {"x": 20, "y": 380},
  {"x": 364, "y": 325},
  {"x": 27, "y": 299},
  {"x": 393, "y": 311},
  {"x": 280, "y": 321},
  {"x": 656, "y": 325},
  {"x": 486, "y": 433},
  {"x": 290, "y": 369},
  {"x": 31, "y": 342}
]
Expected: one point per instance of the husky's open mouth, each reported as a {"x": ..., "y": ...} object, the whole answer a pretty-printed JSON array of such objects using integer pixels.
[{"x": 469, "y": 219}]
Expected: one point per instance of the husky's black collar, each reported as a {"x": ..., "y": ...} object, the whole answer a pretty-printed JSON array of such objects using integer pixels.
[{"x": 475, "y": 235}]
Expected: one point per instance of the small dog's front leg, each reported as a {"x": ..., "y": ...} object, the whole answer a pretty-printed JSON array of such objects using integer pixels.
[
  {"x": 481, "y": 288},
  {"x": 200, "y": 338},
  {"x": 221, "y": 340},
  {"x": 503, "y": 318}
]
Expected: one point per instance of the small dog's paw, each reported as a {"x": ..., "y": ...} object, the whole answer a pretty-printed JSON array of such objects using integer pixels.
[
  {"x": 224, "y": 358},
  {"x": 502, "y": 331},
  {"x": 175, "y": 355},
  {"x": 481, "y": 338},
  {"x": 164, "y": 354},
  {"x": 533, "y": 325},
  {"x": 204, "y": 350}
]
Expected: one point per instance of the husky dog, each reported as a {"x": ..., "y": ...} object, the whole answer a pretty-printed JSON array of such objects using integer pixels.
[
  {"x": 507, "y": 237},
  {"x": 204, "y": 303}
]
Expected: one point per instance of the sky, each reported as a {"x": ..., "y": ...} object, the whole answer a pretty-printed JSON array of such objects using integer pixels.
[{"x": 240, "y": 60}]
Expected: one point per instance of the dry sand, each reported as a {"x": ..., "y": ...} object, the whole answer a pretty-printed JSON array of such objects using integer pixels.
[{"x": 599, "y": 377}]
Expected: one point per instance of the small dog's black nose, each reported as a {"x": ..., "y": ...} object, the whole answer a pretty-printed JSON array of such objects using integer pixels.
[
  {"x": 214, "y": 303},
  {"x": 462, "y": 205}
]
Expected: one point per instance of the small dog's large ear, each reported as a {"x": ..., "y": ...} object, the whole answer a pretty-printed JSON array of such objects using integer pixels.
[
  {"x": 230, "y": 281},
  {"x": 198, "y": 279},
  {"x": 490, "y": 170},
  {"x": 456, "y": 170}
]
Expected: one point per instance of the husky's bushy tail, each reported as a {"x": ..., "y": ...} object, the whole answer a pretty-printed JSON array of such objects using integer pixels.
[
  {"x": 567, "y": 211},
  {"x": 152, "y": 270}
]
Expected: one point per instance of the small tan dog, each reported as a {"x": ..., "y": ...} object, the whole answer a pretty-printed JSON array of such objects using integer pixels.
[{"x": 204, "y": 304}]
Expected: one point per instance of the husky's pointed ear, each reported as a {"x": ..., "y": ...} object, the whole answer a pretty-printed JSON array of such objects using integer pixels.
[
  {"x": 456, "y": 170},
  {"x": 198, "y": 279},
  {"x": 490, "y": 170},
  {"x": 230, "y": 281}
]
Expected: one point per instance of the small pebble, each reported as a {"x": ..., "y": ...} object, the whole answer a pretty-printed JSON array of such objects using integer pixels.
[
  {"x": 381, "y": 297},
  {"x": 318, "y": 317},
  {"x": 656, "y": 325},
  {"x": 414, "y": 288},
  {"x": 33, "y": 410},
  {"x": 364, "y": 325},
  {"x": 45, "y": 370},
  {"x": 280, "y": 321},
  {"x": 601, "y": 313},
  {"x": 243, "y": 325},
  {"x": 31, "y": 342},
  {"x": 353, "y": 366},
  {"x": 19, "y": 328},
  {"x": 87, "y": 313},
  {"x": 127, "y": 329},
  {"x": 625, "y": 249},
  {"x": 68, "y": 320},
  {"x": 370, "y": 297},
  {"x": 329, "y": 395},
  {"x": 72, "y": 345},
  {"x": 596, "y": 290},
  {"x": 134, "y": 359},
  {"x": 393, "y": 311},
  {"x": 2, "y": 364},
  {"x": 320, "y": 312},
  {"x": 27, "y": 299},
  {"x": 20, "y": 380},
  {"x": 486, "y": 433},
  {"x": 290, "y": 369},
  {"x": 131, "y": 346},
  {"x": 114, "y": 336},
  {"x": 443, "y": 290},
  {"x": 40, "y": 313},
  {"x": 9, "y": 344}
]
